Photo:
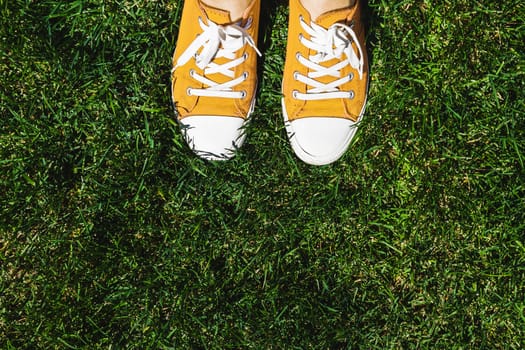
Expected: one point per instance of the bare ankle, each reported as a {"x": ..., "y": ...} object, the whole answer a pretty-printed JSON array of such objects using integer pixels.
[
  {"x": 318, "y": 7},
  {"x": 235, "y": 7}
]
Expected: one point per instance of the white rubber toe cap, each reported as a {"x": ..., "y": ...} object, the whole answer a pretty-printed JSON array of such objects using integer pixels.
[
  {"x": 214, "y": 137},
  {"x": 320, "y": 141}
]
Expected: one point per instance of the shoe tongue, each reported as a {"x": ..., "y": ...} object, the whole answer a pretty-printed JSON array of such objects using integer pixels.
[
  {"x": 216, "y": 15},
  {"x": 328, "y": 18}
]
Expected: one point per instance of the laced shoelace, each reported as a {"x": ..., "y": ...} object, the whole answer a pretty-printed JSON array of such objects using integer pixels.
[
  {"x": 330, "y": 43},
  {"x": 218, "y": 41}
]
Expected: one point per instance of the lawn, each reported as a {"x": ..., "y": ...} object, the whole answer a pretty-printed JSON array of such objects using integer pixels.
[{"x": 113, "y": 235}]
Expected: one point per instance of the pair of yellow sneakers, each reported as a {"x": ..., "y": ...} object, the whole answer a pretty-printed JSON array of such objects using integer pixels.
[{"x": 214, "y": 79}]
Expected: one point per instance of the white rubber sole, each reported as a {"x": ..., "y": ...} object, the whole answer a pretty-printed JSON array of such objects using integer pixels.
[
  {"x": 225, "y": 153},
  {"x": 325, "y": 159}
]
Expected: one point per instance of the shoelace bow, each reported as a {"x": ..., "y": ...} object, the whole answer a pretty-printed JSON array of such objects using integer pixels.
[
  {"x": 329, "y": 44},
  {"x": 218, "y": 41}
]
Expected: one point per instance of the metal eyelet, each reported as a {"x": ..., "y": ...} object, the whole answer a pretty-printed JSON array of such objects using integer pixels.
[
  {"x": 298, "y": 55},
  {"x": 245, "y": 75},
  {"x": 351, "y": 94},
  {"x": 296, "y": 75},
  {"x": 192, "y": 72},
  {"x": 188, "y": 92},
  {"x": 243, "y": 94},
  {"x": 294, "y": 94},
  {"x": 351, "y": 76}
]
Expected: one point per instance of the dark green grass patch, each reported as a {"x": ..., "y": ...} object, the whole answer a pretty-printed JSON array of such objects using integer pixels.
[{"x": 114, "y": 235}]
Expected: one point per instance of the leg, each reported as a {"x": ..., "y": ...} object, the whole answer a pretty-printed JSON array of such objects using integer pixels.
[
  {"x": 318, "y": 7},
  {"x": 235, "y": 7}
]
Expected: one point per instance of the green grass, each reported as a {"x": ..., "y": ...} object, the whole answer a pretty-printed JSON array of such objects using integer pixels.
[{"x": 113, "y": 235}]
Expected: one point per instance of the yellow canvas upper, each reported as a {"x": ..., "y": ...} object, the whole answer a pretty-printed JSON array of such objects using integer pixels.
[
  {"x": 190, "y": 105},
  {"x": 351, "y": 109}
]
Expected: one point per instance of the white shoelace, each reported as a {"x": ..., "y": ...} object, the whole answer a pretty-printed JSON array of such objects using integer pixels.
[
  {"x": 329, "y": 44},
  {"x": 218, "y": 41}
]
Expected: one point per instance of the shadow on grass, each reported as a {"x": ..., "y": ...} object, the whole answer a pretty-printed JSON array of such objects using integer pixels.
[{"x": 372, "y": 22}]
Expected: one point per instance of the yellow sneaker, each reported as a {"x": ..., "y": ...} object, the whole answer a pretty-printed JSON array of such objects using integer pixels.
[
  {"x": 214, "y": 77},
  {"x": 325, "y": 81}
]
